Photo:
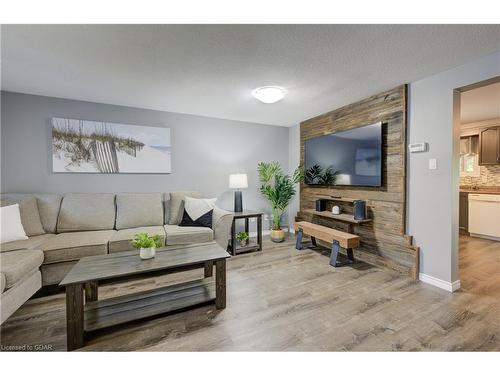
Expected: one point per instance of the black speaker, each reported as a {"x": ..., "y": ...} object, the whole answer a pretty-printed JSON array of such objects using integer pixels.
[
  {"x": 320, "y": 205},
  {"x": 359, "y": 210}
]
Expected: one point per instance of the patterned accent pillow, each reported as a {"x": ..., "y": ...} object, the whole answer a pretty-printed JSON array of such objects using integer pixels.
[
  {"x": 197, "y": 207},
  {"x": 204, "y": 220}
]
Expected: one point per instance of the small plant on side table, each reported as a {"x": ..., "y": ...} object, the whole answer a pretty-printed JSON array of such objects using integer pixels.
[
  {"x": 146, "y": 244},
  {"x": 243, "y": 238}
]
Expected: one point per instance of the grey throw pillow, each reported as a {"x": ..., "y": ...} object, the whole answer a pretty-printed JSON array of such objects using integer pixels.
[{"x": 30, "y": 216}]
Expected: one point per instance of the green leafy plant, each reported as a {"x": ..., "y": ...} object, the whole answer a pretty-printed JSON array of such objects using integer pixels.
[
  {"x": 242, "y": 236},
  {"x": 143, "y": 240},
  {"x": 278, "y": 188},
  {"x": 319, "y": 175}
]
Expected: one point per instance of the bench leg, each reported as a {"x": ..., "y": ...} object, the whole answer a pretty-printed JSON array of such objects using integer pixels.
[
  {"x": 335, "y": 253},
  {"x": 298, "y": 243},
  {"x": 313, "y": 240},
  {"x": 350, "y": 256}
]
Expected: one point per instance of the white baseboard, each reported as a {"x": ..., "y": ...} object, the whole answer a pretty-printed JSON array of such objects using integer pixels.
[
  {"x": 446, "y": 285},
  {"x": 493, "y": 238}
]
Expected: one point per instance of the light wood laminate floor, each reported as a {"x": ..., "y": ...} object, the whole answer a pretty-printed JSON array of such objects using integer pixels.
[{"x": 283, "y": 299}]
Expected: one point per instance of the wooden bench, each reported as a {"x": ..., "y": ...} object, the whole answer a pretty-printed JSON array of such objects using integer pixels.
[{"x": 337, "y": 238}]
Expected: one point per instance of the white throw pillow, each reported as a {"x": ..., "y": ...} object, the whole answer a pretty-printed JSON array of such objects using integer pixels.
[
  {"x": 198, "y": 207},
  {"x": 11, "y": 228}
]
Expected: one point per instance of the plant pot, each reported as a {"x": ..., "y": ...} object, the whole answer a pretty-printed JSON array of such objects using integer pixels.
[
  {"x": 243, "y": 243},
  {"x": 147, "y": 253},
  {"x": 277, "y": 235}
]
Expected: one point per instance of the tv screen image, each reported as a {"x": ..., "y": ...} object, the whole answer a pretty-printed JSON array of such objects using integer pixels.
[{"x": 349, "y": 158}]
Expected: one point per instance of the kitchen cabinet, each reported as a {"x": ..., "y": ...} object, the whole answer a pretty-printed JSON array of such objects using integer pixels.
[
  {"x": 463, "y": 216},
  {"x": 489, "y": 146}
]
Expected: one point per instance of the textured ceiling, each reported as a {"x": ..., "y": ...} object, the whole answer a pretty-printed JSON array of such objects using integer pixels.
[
  {"x": 210, "y": 70},
  {"x": 480, "y": 104}
]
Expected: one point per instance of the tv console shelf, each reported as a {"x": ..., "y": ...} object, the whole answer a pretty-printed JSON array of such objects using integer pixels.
[{"x": 341, "y": 217}]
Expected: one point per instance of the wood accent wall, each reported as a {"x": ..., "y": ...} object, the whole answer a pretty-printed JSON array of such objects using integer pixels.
[{"x": 383, "y": 240}]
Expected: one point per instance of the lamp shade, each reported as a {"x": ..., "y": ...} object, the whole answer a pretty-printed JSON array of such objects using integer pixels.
[{"x": 238, "y": 181}]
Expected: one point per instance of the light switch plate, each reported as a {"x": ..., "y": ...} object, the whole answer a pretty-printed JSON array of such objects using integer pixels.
[{"x": 433, "y": 163}]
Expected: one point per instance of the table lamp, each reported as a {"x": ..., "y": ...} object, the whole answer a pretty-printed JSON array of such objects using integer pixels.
[{"x": 238, "y": 181}]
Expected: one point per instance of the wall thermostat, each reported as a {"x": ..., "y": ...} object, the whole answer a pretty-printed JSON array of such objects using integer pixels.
[{"x": 417, "y": 147}]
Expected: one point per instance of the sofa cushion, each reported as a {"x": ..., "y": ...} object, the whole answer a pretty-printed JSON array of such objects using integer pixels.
[
  {"x": 48, "y": 207},
  {"x": 30, "y": 216},
  {"x": 15, "y": 265},
  {"x": 86, "y": 211},
  {"x": 121, "y": 240},
  {"x": 177, "y": 235},
  {"x": 3, "y": 282},
  {"x": 177, "y": 204},
  {"x": 75, "y": 245},
  {"x": 138, "y": 210},
  {"x": 31, "y": 243}
]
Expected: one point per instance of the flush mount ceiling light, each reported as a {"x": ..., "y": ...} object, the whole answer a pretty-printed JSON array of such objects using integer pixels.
[{"x": 269, "y": 94}]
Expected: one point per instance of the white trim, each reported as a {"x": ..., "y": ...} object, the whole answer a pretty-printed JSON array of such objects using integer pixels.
[
  {"x": 446, "y": 285},
  {"x": 484, "y": 236}
]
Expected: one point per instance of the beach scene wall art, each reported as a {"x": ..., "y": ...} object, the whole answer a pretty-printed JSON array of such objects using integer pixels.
[{"x": 81, "y": 146}]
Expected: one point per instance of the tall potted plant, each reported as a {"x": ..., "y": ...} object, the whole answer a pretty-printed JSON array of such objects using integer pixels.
[{"x": 279, "y": 190}]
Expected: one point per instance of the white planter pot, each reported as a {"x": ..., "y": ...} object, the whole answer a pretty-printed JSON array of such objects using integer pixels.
[{"x": 147, "y": 253}]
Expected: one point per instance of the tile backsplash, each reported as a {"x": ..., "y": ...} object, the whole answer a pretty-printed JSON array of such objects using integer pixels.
[{"x": 489, "y": 176}]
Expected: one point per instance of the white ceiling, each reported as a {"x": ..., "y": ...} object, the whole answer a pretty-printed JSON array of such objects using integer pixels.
[
  {"x": 210, "y": 70},
  {"x": 480, "y": 104}
]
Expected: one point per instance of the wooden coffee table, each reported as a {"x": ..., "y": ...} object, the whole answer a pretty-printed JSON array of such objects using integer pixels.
[{"x": 87, "y": 313}]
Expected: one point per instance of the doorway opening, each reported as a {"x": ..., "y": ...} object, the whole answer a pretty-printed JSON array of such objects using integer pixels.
[{"x": 479, "y": 187}]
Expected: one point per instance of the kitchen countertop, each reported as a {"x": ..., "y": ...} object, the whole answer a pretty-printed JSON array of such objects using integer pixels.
[{"x": 480, "y": 190}]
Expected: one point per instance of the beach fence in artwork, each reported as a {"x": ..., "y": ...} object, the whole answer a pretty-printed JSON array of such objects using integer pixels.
[
  {"x": 99, "y": 147},
  {"x": 105, "y": 156}
]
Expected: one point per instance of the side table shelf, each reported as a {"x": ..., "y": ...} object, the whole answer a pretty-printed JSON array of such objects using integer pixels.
[{"x": 254, "y": 244}]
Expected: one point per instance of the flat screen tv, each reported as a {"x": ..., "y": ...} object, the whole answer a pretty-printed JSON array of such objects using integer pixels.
[{"x": 347, "y": 158}]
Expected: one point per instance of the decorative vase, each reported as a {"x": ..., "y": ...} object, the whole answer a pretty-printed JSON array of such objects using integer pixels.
[
  {"x": 277, "y": 235},
  {"x": 243, "y": 243},
  {"x": 147, "y": 252}
]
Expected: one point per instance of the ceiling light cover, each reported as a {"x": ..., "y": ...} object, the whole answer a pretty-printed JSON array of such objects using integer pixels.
[{"x": 269, "y": 94}]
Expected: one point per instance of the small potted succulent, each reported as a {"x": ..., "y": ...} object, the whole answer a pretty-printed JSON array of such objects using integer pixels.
[
  {"x": 243, "y": 238},
  {"x": 146, "y": 244}
]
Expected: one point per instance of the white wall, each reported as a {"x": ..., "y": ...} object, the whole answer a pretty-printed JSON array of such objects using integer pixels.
[{"x": 432, "y": 215}]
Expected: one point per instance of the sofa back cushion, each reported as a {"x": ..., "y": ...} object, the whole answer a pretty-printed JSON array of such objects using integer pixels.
[
  {"x": 177, "y": 204},
  {"x": 87, "y": 211},
  {"x": 30, "y": 217},
  {"x": 138, "y": 210},
  {"x": 48, "y": 207}
]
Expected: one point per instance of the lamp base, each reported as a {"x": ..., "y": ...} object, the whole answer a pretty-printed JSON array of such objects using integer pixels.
[{"x": 238, "y": 201}]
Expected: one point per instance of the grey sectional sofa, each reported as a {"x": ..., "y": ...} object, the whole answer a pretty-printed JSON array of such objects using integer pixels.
[{"x": 77, "y": 225}]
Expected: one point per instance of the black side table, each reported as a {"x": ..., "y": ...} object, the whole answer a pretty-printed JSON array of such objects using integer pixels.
[{"x": 234, "y": 246}]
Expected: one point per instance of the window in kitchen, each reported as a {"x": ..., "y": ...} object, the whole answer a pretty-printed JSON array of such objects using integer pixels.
[
  {"x": 469, "y": 165},
  {"x": 469, "y": 158}
]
